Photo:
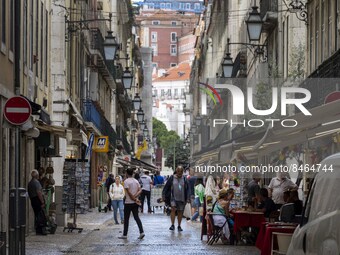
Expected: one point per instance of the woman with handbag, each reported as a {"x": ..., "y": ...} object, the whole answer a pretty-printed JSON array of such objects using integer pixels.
[{"x": 117, "y": 195}]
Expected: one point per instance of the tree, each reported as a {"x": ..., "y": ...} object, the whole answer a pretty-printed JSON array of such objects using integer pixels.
[{"x": 167, "y": 140}]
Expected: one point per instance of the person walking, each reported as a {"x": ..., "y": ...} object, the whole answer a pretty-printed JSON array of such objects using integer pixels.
[
  {"x": 108, "y": 184},
  {"x": 146, "y": 190},
  {"x": 199, "y": 198},
  {"x": 117, "y": 194},
  {"x": 37, "y": 202},
  {"x": 132, "y": 203},
  {"x": 158, "y": 179},
  {"x": 176, "y": 193}
]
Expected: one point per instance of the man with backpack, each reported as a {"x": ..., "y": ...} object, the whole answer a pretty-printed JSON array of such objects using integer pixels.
[{"x": 176, "y": 193}]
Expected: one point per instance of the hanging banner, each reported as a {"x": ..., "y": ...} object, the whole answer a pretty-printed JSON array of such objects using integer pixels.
[{"x": 101, "y": 144}]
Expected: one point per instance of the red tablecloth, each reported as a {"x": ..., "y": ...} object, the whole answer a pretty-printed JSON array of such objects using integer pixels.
[
  {"x": 247, "y": 219},
  {"x": 267, "y": 238},
  {"x": 262, "y": 232}
]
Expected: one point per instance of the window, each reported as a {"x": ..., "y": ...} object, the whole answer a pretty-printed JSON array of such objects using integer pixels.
[
  {"x": 46, "y": 46},
  {"x": 168, "y": 5},
  {"x": 31, "y": 36},
  {"x": 153, "y": 36},
  {"x": 173, "y": 49},
  {"x": 154, "y": 65},
  {"x": 187, "y": 6},
  {"x": 151, "y": 6},
  {"x": 41, "y": 40},
  {"x": 323, "y": 28},
  {"x": 36, "y": 36},
  {"x": 169, "y": 93},
  {"x": 25, "y": 33},
  {"x": 173, "y": 23},
  {"x": 197, "y": 6},
  {"x": 182, "y": 92},
  {"x": 181, "y": 6},
  {"x": 154, "y": 93},
  {"x": 173, "y": 64},
  {"x": 311, "y": 38},
  {"x": 11, "y": 31},
  {"x": 156, "y": 22},
  {"x": 162, "y": 92},
  {"x": 316, "y": 61},
  {"x": 173, "y": 37},
  {"x": 162, "y": 5},
  {"x": 330, "y": 30},
  {"x": 176, "y": 92},
  {"x": 154, "y": 47},
  {"x": 3, "y": 22}
]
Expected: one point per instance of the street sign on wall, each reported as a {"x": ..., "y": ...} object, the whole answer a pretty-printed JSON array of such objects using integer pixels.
[
  {"x": 101, "y": 144},
  {"x": 17, "y": 110}
]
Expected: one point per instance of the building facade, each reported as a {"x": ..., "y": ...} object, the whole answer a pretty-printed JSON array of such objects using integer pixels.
[
  {"x": 169, "y": 97},
  {"x": 173, "y": 5},
  {"x": 168, "y": 34}
]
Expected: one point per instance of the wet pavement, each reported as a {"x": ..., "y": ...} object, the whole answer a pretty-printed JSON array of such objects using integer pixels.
[{"x": 100, "y": 236}]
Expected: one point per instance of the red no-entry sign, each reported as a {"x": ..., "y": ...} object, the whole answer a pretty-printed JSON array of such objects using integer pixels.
[{"x": 17, "y": 110}]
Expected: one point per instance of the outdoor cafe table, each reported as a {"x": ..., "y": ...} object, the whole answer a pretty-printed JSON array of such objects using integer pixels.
[
  {"x": 264, "y": 238},
  {"x": 247, "y": 219}
]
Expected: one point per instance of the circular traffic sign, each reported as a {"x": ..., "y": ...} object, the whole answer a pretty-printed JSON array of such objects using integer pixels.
[{"x": 17, "y": 110}]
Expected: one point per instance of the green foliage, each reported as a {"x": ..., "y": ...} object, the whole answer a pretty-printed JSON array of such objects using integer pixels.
[{"x": 168, "y": 140}]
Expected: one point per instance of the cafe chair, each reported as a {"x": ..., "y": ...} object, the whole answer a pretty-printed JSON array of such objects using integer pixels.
[
  {"x": 287, "y": 213},
  {"x": 216, "y": 231},
  {"x": 283, "y": 241}
]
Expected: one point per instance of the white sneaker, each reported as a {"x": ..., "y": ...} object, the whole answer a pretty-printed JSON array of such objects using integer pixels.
[
  {"x": 122, "y": 237},
  {"x": 141, "y": 236}
]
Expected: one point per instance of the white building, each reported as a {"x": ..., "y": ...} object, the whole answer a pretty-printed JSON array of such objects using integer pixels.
[{"x": 169, "y": 96}]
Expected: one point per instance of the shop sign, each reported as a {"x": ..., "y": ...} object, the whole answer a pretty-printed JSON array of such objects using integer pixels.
[{"x": 101, "y": 144}]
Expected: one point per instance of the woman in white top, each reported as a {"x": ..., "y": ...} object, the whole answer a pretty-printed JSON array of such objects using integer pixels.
[{"x": 117, "y": 194}]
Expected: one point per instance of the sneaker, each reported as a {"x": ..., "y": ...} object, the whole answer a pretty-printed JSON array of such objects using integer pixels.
[
  {"x": 117, "y": 223},
  {"x": 172, "y": 228},
  {"x": 179, "y": 229},
  {"x": 141, "y": 236},
  {"x": 122, "y": 237}
]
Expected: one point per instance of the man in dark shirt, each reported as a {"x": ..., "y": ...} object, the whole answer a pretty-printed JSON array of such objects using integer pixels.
[
  {"x": 37, "y": 202},
  {"x": 253, "y": 188},
  {"x": 266, "y": 205},
  {"x": 108, "y": 183},
  {"x": 191, "y": 182}
]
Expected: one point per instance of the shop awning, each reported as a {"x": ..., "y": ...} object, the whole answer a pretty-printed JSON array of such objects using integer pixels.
[
  {"x": 325, "y": 120},
  {"x": 136, "y": 163},
  {"x": 58, "y": 130}
]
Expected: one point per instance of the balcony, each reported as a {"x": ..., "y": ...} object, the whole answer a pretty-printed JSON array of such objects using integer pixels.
[
  {"x": 105, "y": 68},
  {"x": 269, "y": 14},
  {"x": 122, "y": 137},
  {"x": 92, "y": 113}
]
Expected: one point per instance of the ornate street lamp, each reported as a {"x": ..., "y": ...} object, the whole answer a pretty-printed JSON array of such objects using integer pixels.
[
  {"x": 146, "y": 131},
  {"x": 127, "y": 78},
  {"x": 110, "y": 46},
  {"x": 137, "y": 102},
  {"x": 198, "y": 120},
  {"x": 194, "y": 128},
  {"x": 140, "y": 115},
  {"x": 227, "y": 66},
  {"x": 254, "y": 24},
  {"x": 142, "y": 125}
]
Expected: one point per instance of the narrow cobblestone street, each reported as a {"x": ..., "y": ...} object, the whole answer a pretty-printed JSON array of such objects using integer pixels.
[{"x": 100, "y": 236}]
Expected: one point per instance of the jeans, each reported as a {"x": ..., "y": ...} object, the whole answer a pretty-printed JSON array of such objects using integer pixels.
[
  {"x": 197, "y": 204},
  {"x": 146, "y": 194},
  {"x": 128, "y": 208},
  {"x": 39, "y": 222},
  {"x": 118, "y": 204}
]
